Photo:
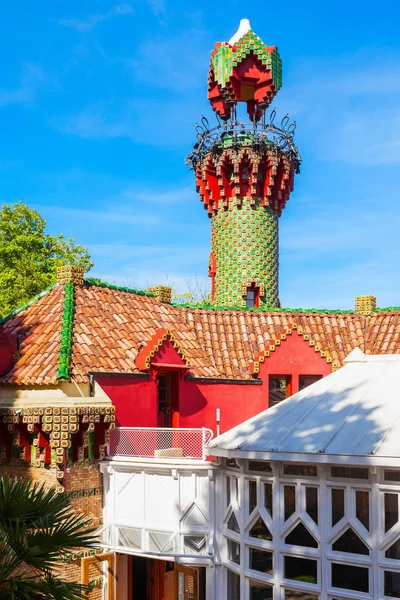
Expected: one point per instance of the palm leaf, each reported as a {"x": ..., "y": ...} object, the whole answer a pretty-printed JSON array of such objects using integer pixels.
[
  {"x": 37, "y": 529},
  {"x": 26, "y": 502}
]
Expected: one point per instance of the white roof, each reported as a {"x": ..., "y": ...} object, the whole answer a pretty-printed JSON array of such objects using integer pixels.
[{"x": 352, "y": 413}]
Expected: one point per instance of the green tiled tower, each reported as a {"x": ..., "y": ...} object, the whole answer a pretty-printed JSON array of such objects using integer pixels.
[
  {"x": 244, "y": 178},
  {"x": 244, "y": 241}
]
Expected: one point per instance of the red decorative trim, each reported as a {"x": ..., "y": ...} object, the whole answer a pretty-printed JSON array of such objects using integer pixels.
[
  {"x": 212, "y": 269},
  {"x": 143, "y": 359},
  {"x": 254, "y": 365}
]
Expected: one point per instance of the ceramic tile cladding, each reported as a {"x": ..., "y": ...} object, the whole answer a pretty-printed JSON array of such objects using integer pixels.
[{"x": 245, "y": 244}]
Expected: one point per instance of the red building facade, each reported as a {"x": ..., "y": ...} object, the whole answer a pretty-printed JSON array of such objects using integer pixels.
[{"x": 167, "y": 397}]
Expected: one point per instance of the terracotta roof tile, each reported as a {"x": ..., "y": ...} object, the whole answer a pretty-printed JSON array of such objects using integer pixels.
[
  {"x": 110, "y": 326},
  {"x": 38, "y": 333}
]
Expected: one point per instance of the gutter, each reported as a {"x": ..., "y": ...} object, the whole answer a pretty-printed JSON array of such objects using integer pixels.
[{"x": 113, "y": 375}]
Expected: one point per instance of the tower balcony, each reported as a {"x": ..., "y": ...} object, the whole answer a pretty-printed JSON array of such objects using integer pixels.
[{"x": 233, "y": 134}]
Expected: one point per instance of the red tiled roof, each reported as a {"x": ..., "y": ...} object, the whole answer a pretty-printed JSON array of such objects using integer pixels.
[
  {"x": 37, "y": 331},
  {"x": 111, "y": 326}
]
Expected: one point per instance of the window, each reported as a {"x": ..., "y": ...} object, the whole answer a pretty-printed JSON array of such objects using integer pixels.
[
  {"x": 262, "y": 561},
  {"x": 197, "y": 544},
  {"x": 279, "y": 389},
  {"x": 252, "y": 496},
  {"x": 350, "y": 472},
  {"x": 253, "y": 297},
  {"x": 260, "y": 530},
  {"x": 337, "y": 496},
  {"x": 268, "y": 498},
  {"x": 290, "y": 500},
  {"x": 231, "y": 463},
  {"x": 228, "y": 491},
  {"x": 392, "y": 584},
  {"x": 300, "y": 569},
  {"x": 393, "y": 551},
  {"x": 306, "y": 380},
  {"x": 350, "y": 542},
  {"x": 312, "y": 503},
  {"x": 259, "y": 591},
  {"x": 391, "y": 475},
  {"x": 362, "y": 507},
  {"x": 233, "y": 585},
  {"x": 300, "y": 536},
  {"x": 237, "y": 491},
  {"x": 348, "y": 577},
  {"x": 293, "y": 595},
  {"x": 300, "y": 470},
  {"x": 260, "y": 466},
  {"x": 233, "y": 551},
  {"x": 391, "y": 510},
  {"x": 233, "y": 525},
  {"x": 163, "y": 390}
]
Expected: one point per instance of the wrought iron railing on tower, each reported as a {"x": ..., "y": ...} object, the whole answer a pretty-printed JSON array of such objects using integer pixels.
[
  {"x": 233, "y": 133},
  {"x": 157, "y": 442}
]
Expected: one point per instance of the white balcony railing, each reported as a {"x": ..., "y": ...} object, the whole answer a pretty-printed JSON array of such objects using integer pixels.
[{"x": 165, "y": 443}]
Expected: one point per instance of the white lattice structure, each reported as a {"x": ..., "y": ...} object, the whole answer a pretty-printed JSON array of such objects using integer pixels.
[
  {"x": 156, "y": 509},
  {"x": 321, "y": 535},
  {"x": 309, "y": 494}
]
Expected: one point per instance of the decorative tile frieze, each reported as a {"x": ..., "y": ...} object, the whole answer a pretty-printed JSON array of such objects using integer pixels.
[{"x": 55, "y": 437}]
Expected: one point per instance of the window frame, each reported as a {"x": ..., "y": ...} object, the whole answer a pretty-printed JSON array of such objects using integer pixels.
[
  {"x": 289, "y": 386},
  {"x": 332, "y": 590},
  {"x": 256, "y": 299}
]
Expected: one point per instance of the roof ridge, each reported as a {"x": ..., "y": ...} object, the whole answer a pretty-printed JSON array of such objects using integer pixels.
[
  {"x": 18, "y": 310},
  {"x": 119, "y": 288},
  {"x": 268, "y": 309},
  {"x": 67, "y": 326}
]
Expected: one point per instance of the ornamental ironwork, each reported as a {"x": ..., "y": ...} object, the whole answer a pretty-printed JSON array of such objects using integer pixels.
[{"x": 235, "y": 134}]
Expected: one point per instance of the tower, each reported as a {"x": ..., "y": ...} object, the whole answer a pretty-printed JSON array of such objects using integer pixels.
[{"x": 244, "y": 171}]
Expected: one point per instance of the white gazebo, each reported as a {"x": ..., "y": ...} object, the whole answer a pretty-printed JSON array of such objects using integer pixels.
[{"x": 308, "y": 493}]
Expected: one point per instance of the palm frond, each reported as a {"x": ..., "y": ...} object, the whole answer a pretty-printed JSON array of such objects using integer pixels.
[
  {"x": 26, "y": 502},
  {"x": 37, "y": 528}
]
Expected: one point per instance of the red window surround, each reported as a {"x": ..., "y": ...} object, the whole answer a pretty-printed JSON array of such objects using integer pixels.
[{"x": 253, "y": 297}]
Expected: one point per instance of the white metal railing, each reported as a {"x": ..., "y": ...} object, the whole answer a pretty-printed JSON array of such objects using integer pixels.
[{"x": 159, "y": 442}]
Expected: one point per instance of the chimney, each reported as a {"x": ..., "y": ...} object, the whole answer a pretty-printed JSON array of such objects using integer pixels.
[
  {"x": 69, "y": 274},
  {"x": 365, "y": 304},
  {"x": 163, "y": 293}
]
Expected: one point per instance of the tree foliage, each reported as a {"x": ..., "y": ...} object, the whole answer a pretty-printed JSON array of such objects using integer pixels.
[
  {"x": 37, "y": 529},
  {"x": 29, "y": 256},
  {"x": 197, "y": 293}
]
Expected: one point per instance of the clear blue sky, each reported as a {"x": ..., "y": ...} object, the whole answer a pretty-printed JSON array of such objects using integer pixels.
[{"x": 98, "y": 101}]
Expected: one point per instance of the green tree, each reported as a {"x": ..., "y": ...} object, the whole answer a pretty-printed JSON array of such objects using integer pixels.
[
  {"x": 29, "y": 256},
  {"x": 37, "y": 529}
]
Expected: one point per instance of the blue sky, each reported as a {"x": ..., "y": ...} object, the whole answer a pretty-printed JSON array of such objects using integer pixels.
[{"x": 98, "y": 101}]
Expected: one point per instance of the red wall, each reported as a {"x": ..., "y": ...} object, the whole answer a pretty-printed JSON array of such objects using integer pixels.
[
  {"x": 136, "y": 400},
  {"x": 294, "y": 357},
  {"x": 199, "y": 401}
]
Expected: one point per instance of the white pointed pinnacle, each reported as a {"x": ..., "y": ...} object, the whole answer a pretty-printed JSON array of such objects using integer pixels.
[{"x": 244, "y": 27}]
